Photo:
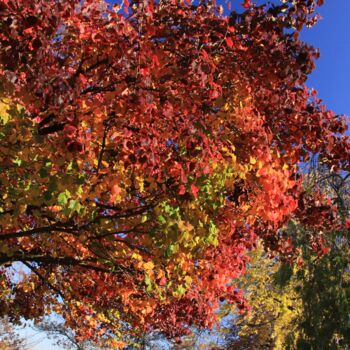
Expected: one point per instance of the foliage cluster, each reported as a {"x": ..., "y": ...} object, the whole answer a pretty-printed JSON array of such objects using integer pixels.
[{"x": 143, "y": 154}]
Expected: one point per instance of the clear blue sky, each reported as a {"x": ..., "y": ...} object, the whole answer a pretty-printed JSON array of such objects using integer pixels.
[{"x": 332, "y": 75}]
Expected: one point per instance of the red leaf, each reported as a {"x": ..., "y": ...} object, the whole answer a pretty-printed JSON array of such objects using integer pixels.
[
  {"x": 205, "y": 54},
  {"x": 183, "y": 177},
  {"x": 347, "y": 223},
  {"x": 82, "y": 78},
  {"x": 155, "y": 61},
  {"x": 69, "y": 129},
  {"x": 194, "y": 191},
  {"x": 182, "y": 190},
  {"x": 247, "y": 4},
  {"x": 229, "y": 42}
]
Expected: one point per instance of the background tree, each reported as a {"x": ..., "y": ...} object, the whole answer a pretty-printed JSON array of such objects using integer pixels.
[
  {"x": 65, "y": 338},
  {"x": 276, "y": 306},
  {"x": 9, "y": 338},
  {"x": 304, "y": 305},
  {"x": 326, "y": 279}
]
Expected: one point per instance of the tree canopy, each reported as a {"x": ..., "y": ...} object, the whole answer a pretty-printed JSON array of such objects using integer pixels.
[{"x": 145, "y": 148}]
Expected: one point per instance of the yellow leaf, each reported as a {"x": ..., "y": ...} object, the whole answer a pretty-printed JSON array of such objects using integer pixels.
[
  {"x": 188, "y": 280},
  {"x": 136, "y": 256},
  {"x": 148, "y": 266},
  {"x": 4, "y": 116},
  {"x": 252, "y": 160}
]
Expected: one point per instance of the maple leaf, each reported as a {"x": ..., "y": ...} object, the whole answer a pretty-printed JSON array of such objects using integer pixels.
[
  {"x": 194, "y": 191},
  {"x": 247, "y": 4},
  {"x": 229, "y": 42}
]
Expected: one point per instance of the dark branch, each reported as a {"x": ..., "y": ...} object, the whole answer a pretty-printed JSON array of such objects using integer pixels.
[
  {"x": 48, "y": 260},
  {"x": 51, "y": 129},
  {"x": 43, "y": 279},
  {"x": 34, "y": 231}
]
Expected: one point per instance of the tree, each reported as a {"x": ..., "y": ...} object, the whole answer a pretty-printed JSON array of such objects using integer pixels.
[
  {"x": 325, "y": 294},
  {"x": 275, "y": 306},
  {"x": 65, "y": 337},
  {"x": 143, "y": 154},
  {"x": 325, "y": 291},
  {"x": 304, "y": 305},
  {"x": 9, "y": 339}
]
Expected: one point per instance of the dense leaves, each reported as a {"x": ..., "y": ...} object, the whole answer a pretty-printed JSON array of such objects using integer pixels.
[
  {"x": 304, "y": 305},
  {"x": 143, "y": 153},
  {"x": 275, "y": 306}
]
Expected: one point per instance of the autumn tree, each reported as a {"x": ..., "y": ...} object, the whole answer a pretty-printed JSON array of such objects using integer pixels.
[
  {"x": 145, "y": 148},
  {"x": 304, "y": 305},
  {"x": 325, "y": 280},
  {"x": 275, "y": 307}
]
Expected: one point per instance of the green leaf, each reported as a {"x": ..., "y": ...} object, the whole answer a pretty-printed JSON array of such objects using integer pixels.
[
  {"x": 148, "y": 283},
  {"x": 179, "y": 291},
  {"x": 169, "y": 251},
  {"x": 62, "y": 198},
  {"x": 75, "y": 206},
  {"x": 17, "y": 161},
  {"x": 161, "y": 219},
  {"x": 212, "y": 238}
]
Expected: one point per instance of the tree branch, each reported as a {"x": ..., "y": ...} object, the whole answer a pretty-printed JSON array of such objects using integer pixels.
[
  {"x": 60, "y": 261},
  {"x": 43, "y": 279},
  {"x": 45, "y": 229}
]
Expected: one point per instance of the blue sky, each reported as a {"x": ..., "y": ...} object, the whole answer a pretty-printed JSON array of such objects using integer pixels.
[{"x": 331, "y": 77}]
